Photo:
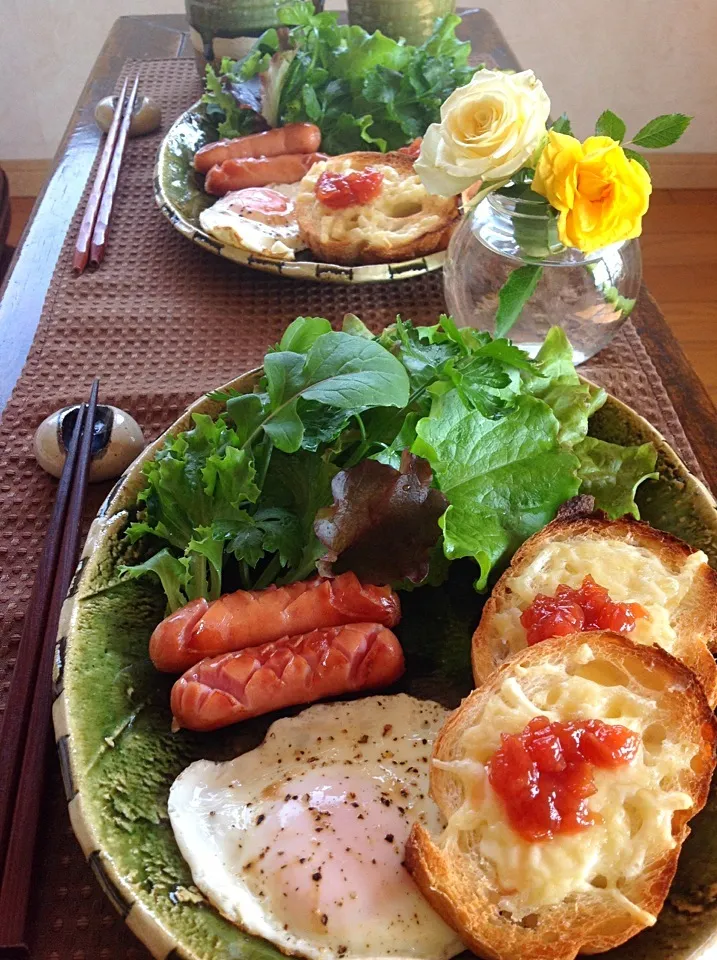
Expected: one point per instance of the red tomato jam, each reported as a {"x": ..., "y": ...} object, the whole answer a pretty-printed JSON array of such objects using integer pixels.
[
  {"x": 341, "y": 190},
  {"x": 544, "y": 775},
  {"x": 574, "y": 611},
  {"x": 413, "y": 149}
]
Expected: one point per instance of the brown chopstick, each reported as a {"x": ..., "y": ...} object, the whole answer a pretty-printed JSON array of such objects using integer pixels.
[
  {"x": 82, "y": 245},
  {"x": 23, "y": 794},
  {"x": 99, "y": 236}
]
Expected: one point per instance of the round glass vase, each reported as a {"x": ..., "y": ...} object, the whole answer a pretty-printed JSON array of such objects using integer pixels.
[{"x": 589, "y": 295}]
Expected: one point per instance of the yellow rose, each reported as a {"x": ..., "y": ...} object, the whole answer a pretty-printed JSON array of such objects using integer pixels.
[
  {"x": 489, "y": 129},
  {"x": 600, "y": 195}
]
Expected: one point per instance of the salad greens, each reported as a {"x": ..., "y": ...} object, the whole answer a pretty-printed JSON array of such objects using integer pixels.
[
  {"x": 233, "y": 502},
  {"x": 364, "y": 91}
]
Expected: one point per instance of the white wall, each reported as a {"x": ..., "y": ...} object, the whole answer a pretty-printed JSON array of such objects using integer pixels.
[{"x": 638, "y": 57}]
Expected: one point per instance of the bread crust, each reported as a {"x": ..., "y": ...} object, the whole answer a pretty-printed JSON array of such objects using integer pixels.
[
  {"x": 384, "y": 244},
  {"x": 694, "y": 622},
  {"x": 464, "y": 895}
]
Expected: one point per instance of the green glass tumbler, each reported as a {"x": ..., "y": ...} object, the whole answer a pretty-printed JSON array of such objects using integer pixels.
[
  {"x": 228, "y": 28},
  {"x": 411, "y": 19}
]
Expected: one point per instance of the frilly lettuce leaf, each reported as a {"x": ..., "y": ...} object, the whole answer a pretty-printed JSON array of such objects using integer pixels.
[{"x": 556, "y": 382}]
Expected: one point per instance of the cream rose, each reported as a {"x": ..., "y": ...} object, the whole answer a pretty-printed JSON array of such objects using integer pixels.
[{"x": 488, "y": 130}]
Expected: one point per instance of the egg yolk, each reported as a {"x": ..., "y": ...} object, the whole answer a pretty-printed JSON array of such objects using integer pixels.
[{"x": 326, "y": 857}]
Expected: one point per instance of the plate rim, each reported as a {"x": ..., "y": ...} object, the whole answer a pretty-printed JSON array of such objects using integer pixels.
[
  {"x": 294, "y": 269},
  {"x": 146, "y": 925}
]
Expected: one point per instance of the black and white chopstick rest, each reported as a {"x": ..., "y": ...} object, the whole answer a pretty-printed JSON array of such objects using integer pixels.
[{"x": 117, "y": 439}]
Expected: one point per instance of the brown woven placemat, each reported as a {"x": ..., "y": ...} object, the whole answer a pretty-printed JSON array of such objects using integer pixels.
[{"x": 161, "y": 323}]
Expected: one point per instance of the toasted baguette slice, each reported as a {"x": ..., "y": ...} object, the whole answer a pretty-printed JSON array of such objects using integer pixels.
[
  {"x": 511, "y": 899},
  {"x": 404, "y": 221},
  {"x": 634, "y": 562}
]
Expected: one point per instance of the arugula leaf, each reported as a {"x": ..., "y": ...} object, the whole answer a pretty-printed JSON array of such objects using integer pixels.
[
  {"x": 504, "y": 479},
  {"x": 356, "y": 327},
  {"x": 337, "y": 370},
  {"x": 612, "y": 473},
  {"x": 302, "y": 333},
  {"x": 353, "y": 374},
  {"x": 610, "y": 125},
  {"x": 663, "y": 131}
]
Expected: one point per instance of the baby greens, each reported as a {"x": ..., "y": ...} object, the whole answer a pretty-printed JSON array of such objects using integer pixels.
[
  {"x": 233, "y": 501},
  {"x": 364, "y": 91}
]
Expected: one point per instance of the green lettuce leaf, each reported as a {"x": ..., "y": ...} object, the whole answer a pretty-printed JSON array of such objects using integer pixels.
[
  {"x": 504, "y": 479},
  {"x": 556, "y": 382},
  {"x": 612, "y": 473}
]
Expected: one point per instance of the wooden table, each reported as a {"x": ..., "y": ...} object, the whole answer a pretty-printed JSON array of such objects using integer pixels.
[{"x": 151, "y": 37}]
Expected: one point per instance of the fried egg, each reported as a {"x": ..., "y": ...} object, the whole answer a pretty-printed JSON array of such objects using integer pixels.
[
  {"x": 301, "y": 841},
  {"x": 258, "y": 219}
]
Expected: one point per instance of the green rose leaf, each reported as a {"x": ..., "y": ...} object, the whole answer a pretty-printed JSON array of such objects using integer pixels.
[
  {"x": 514, "y": 294},
  {"x": 634, "y": 155},
  {"x": 663, "y": 131},
  {"x": 562, "y": 125},
  {"x": 610, "y": 125}
]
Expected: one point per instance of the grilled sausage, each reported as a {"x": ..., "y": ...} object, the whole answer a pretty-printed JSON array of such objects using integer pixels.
[
  {"x": 248, "y": 618},
  {"x": 293, "y": 138},
  {"x": 303, "y": 669},
  {"x": 259, "y": 172}
]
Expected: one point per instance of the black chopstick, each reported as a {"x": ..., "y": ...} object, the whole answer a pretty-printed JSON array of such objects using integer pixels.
[
  {"x": 84, "y": 236},
  {"x": 32, "y": 747},
  {"x": 17, "y": 709}
]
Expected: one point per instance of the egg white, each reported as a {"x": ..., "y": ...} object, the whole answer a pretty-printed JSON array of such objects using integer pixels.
[
  {"x": 301, "y": 841},
  {"x": 272, "y": 236}
]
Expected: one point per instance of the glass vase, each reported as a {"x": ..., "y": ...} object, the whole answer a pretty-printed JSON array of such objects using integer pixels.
[{"x": 589, "y": 295}]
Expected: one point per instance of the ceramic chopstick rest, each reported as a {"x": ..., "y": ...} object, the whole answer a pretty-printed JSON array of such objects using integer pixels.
[
  {"x": 117, "y": 439},
  {"x": 146, "y": 116}
]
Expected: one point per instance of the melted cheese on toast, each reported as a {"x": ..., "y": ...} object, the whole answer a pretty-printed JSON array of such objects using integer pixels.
[
  {"x": 630, "y": 574},
  {"x": 635, "y": 802},
  {"x": 401, "y": 212}
]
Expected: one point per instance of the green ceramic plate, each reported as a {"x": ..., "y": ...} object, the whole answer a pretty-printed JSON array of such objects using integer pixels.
[
  {"x": 119, "y": 757},
  {"x": 181, "y": 199}
]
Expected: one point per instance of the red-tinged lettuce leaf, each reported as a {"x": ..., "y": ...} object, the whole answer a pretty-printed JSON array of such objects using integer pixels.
[{"x": 383, "y": 523}]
